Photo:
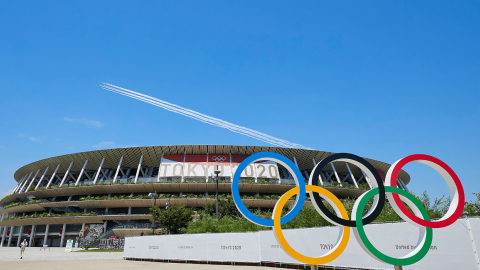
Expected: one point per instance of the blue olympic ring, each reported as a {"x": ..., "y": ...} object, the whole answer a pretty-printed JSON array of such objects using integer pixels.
[{"x": 289, "y": 165}]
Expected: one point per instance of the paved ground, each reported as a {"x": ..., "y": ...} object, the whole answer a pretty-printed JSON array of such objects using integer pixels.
[
  {"x": 57, "y": 258},
  {"x": 54, "y": 254},
  {"x": 115, "y": 264}
]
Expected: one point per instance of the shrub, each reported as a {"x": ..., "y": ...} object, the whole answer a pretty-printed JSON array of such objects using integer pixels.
[
  {"x": 473, "y": 208},
  {"x": 175, "y": 218},
  {"x": 22, "y": 203}
]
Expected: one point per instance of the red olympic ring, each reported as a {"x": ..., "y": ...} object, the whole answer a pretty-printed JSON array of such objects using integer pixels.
[{"x": 456, "y": 191}]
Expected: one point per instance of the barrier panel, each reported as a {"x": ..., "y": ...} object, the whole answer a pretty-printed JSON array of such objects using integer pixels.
[
  {"x": 221, "y": 247},
  {"x": 452, "y": 247},
  {"x": 111, "y": 243},
  {"x": 312, "y": 242},
  {"x": 475, "y": 230}
]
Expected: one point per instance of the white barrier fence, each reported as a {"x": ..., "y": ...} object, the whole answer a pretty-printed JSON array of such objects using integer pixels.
[{"x": 454, "y": 247}]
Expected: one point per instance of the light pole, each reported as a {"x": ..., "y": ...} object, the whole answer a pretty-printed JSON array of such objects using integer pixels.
[
  {"x": 217, "y": 171},
  {"x": 154, "y": 195},
  {"x": 168, "y": 205}
]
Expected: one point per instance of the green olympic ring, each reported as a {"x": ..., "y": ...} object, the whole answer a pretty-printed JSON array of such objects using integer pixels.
[{"x": 426, "y": 234}]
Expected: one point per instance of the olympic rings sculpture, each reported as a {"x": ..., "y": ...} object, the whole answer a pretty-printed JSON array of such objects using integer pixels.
[{"x": 396, "y": 197}]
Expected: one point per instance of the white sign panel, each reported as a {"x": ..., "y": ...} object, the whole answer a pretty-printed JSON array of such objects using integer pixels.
[
  {"x": 451, "y": 248},
  {"x": 68, "y": 248},
  {"x": 223, "y": 161},
  {"x": 172, "y": 165},
  {"x": 203, "y": 166},
  {"x": 235, "y": 247},
  {"x": 313, "y": 242},
  {"x": 475, "y": 230}
]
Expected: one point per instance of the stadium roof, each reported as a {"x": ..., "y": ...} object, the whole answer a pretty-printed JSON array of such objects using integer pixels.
[{"x": 152, "y": 156}]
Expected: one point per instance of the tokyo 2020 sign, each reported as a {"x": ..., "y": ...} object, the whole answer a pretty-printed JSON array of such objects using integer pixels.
[{"x": 396, "y": 197}]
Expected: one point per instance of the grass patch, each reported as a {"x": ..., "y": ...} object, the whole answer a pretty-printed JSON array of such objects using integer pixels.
[{"x": 101, "y": 250}]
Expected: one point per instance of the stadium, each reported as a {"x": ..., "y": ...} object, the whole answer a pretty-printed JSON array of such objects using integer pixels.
[{"x": 112, "y": 189}]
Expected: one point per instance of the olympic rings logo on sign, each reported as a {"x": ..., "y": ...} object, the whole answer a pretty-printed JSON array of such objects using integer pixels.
[
  {"x": 218, "y": 158},
  {"x": 396, "y": 197}
]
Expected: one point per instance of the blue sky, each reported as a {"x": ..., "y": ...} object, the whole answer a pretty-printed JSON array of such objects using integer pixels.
[{"x": 381, "y": 80}]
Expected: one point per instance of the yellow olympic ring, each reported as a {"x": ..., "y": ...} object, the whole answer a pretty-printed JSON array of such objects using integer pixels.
[{"x": 277, "y": 229}]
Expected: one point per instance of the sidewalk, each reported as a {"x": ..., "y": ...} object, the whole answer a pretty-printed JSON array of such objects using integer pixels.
[
  {"x": 57, "y": 258},
  {"x": 117, "y": 265},
  {"x": 54, "y": 254}
]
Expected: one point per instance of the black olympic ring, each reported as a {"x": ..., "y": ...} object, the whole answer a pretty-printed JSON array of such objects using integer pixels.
[{"x": 317, "y": 201}]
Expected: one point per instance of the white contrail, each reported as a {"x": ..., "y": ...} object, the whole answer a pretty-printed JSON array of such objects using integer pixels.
[{"x": 201, "y": 117}]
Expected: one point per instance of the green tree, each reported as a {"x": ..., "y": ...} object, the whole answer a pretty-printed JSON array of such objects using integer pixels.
[
  {"x": 439, "y": 207},
  {"x": 209, "y": 224},
  {"x": 225, "y": 208},
  {"x": 307, "y": 218},
  {"x": 175, "y": 218},
  {"x": 473, "y": 208}
]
